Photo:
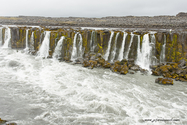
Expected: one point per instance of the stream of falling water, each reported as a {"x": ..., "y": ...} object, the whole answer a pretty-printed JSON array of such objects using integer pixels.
[
  {"x": 49, "y": 92},
  {"x": 7, "y": 38},
  {"x": 109, "y": 45},
  {"x": 128, "y": 49},
  {"x": 58, "y": 48},
  {"x": 121, "y": 52},
  {"x": 162, "y": 54},
  {"x": 113, "y": 54},
  {"x": 1, "y": 36},
  {"x": 44, "y": 49},
  {"x": 27, "y": 41}
]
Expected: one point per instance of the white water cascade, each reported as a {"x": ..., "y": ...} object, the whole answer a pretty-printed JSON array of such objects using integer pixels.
[
  {"x": 120, "y": 57},
  {"x": 92, "y": 41},
  {"x": 74, "y": 51},
  {"x": 128, "y": 49},
  {"x": 144, "y": 57},
  {"x": 27, "y": 41},
  {"x": 138, "y": 59},
  {"x": 7, "y": 38},
  {"x": 114, "y": 50},
  {"x": 32, "y": 42},
  {"x": 44, "y": 49},
  {"x": 163, "y": 51},
  {"x": 58, "y": 48},
  {"x": 80, "y": 51},
  {"x": 1, "y": 36},
  {"x": 109, "y": 45},
  {"x": 154, "y": 60}
]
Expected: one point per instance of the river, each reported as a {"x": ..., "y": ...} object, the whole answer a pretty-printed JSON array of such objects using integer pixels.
[{"x": 35, "y": 91}]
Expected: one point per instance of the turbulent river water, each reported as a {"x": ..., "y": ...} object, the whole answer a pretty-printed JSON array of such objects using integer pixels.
[{"x": 35, "y": 91}]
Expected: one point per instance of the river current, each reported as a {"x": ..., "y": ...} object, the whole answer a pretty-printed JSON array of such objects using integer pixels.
[{"x": 35, "y": 91}]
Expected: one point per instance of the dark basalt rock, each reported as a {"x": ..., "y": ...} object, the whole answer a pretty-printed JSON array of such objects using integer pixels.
[
  {"x": 4, "y": 122},
  {"x": 135, "y": 68},
  {"x": 124, "y": 69},
  {"x": 164, "y": 81},
  {"x": 182, "y": 63}
]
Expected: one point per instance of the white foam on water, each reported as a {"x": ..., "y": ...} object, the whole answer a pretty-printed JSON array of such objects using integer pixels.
[{"x": 35, "y": 91}]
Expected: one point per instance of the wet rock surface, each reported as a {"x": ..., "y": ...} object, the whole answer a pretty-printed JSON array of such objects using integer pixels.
[
  {"x": 176, "y": 71},
  {"x": 4, "y": 122},
  {"x": 165, "y": 81}
]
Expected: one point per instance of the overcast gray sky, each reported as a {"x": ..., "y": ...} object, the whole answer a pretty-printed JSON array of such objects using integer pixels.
[{"x": 91, "y": 8}]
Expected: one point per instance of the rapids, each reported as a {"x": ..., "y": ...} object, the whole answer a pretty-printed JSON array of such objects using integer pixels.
[{"x": 36, "y": 91}]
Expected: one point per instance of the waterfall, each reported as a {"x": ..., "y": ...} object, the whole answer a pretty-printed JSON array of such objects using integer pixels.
[
  {"x": 1, "y": 36},
  {"x": 58, "y": 48},
  {"x": 32, "y": 42},
  {"x": 128, "y": 49},
  {"x": 114, "y": 50},
  {"x": 80, "y": 53},
  {"x": 162, "y": 54},
  {"x": 27, "y": 41},
  {"x": 109, "y": 45},
  {"x": 153, "y": 49},
  {"x": 44, "y": 49},
  {"x": 7, "y": 38},
  {"x": 92, "y": 41},
  {"x": 144, "y": 55},
  {"x": 120, "y": 57},
  {"x": 74, "y": 51},
  {"x": 138, "y": 59}
]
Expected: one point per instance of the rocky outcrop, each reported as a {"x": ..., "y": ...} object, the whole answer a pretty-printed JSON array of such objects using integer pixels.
[
  {"x": 177, "y": 71},
  {"x": 164, "y": 81},
  {"x": 4, "y": 122}
]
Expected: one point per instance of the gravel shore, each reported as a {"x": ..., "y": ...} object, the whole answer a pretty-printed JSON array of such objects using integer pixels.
[{"x": 164, "y": 22}]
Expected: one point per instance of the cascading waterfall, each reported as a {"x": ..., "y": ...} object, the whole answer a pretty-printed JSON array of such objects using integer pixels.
[
  {"x": 128, "y": 49},
  {"x": 138, "y": 59},
  {"x": 144, "y": 55},
  {"x": 32, "y": 42},
  {"x": 113, "y": 54},
  {"x": 80, "y": 51},
  {"x": 109, "y": 45},
  {"x": 153, "y": 49},
  {"x": 58, "y": 48},
  {"x": 162, "y": 54},
  {"x": 44, "y": 49},
  {"x": 120, "y": 57},
  {"x": 27, "y": 41},
  {"x": 74, "y": 51},
  {"x": 1, "y": 36},
  {"x": 92, "y": 41},
  {"x": 7, "y": 38}
]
